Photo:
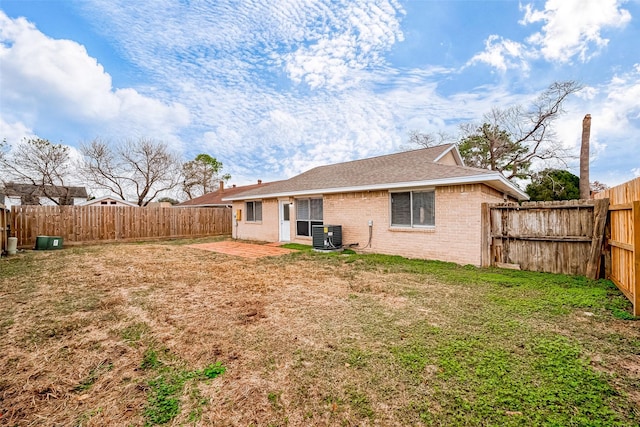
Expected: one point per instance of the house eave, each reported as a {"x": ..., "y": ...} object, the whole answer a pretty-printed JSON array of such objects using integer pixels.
[
  {"x": 493, "y": 180},
  {"x": 206, "y": 205}
]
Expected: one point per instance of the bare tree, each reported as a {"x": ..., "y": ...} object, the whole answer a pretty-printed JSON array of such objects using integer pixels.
[
  {"x": 427, "y": 140},
  {"x": 40, "y": 163},
  {"x": 597, "y": 186},
  {"x": 3, "y": 147},
  {"x": 139, "y": 169},
  {"x": 202, "y": 175},
  {"x": 511, "y": 139}
]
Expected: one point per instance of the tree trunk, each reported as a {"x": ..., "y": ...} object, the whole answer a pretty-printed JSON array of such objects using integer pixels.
[{"x": 584, "y": 157}]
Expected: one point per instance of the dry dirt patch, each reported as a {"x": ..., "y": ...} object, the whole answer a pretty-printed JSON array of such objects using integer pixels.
[{"x": 82, "y": 321}]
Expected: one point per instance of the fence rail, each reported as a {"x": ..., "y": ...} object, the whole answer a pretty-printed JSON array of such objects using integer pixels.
[
  {"x": 76, "y": 224},
  {"x": 622, "y": 248},
  {"x": 554, "y": 237}
]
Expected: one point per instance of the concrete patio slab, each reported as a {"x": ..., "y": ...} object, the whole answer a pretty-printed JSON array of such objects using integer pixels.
[{"x": 244, "y": 250}]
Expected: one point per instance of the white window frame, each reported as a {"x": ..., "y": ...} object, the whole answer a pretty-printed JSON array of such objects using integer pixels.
[
  {"x": 254, "y": 203},
  {"x": 411, "y": 224},
  {"x": 310, "y": 221}
]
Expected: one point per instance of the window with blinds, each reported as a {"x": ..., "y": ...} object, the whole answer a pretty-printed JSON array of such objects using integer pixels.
[
  {"x": 308, "y": 213},
  {"x": 254, "y": 211},
  {"x": 413, "y": 209}
]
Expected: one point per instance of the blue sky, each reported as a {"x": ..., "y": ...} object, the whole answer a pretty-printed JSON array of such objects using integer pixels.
[{"x": 274, "y": 88}]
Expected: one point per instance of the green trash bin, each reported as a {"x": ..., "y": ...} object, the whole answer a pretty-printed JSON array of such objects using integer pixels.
[
  {"x": 42, "y": 243},
  {"x": 55, "y": 242}
]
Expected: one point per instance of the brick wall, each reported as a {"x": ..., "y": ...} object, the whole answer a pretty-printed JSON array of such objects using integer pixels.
[
  {"x": 455, "y": 237},
  {"x": 266, "y": 230}
]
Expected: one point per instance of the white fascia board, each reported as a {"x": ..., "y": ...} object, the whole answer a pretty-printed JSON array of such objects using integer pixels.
[
  {"x": 504, "y": 185},
  {"x": 210, "y": 205},
  {"x": 522, "y": 195},
  {"x": 456, "y": 153}
]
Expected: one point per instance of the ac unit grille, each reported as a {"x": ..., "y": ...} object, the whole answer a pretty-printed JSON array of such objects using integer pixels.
[{"x": 327, "y": 237}]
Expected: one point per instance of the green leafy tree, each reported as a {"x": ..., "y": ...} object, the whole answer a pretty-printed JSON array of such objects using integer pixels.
[
  {"x": 554, "y": 184},
  {"x": 491, "y": 147},
  {"x": 202, "y": 175},
  {"x": 510, "y": 140}
]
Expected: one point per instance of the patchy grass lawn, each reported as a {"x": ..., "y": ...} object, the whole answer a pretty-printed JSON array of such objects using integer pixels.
[{"x": 144, "y": 334}]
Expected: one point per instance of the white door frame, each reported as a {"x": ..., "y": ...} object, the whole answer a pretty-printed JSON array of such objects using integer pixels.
[{"x": 284, "y": 229}]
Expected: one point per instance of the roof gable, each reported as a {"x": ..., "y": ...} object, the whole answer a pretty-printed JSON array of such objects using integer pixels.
[{"x": 99, "y": 200}]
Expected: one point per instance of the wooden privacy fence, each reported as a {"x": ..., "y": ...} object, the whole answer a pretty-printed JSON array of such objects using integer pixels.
[
  {"x": 622, "y": 248},
  {"x": 115, "y": 223},
  {"x": 4, "y": 224},
  {"x": 555, "y": 237}
]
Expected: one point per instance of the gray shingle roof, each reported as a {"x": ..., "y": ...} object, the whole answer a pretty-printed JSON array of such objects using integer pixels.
[
  {"x": 12, "y": 189},
  {"x": 215, "y": 198},
  {"x": 389, "y": 171}
]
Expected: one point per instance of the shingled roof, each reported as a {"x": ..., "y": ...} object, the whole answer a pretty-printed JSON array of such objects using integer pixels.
[
  {"x": 392, "y": 171},
  {"x": 12, "y": 189},
  {"x": 215, "y": 197}
]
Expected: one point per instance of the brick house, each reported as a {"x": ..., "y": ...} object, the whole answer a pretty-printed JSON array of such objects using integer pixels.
[{"x": 419, "y": 204}]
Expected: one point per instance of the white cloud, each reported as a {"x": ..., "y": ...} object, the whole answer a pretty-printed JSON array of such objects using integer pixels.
[
  {"x": 320, "y": 43},
  {"x": 587, "y": 93},
  {"x": 503, "y": 54},
  {"x": 43, "y": 76},
  {"x": 570, "y": 28},
  {"x": 618, "y": 106},
  {"x": 14, "y": 132},
  {"x": 573, "y": 27},
  {"x": 365, "y": 30},
  {"x": 265, "y": 80},
  {"x": 275, "y": 88},
  {"x": 615, "y": 123}
]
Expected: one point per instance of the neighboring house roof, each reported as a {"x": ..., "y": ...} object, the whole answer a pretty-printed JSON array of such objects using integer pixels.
[
  {"x": 215, "y": 198},
  {"x": 12, "y": 189},
  {"x": 99, "y": 200},
  {"x": 393, "y": 171}
]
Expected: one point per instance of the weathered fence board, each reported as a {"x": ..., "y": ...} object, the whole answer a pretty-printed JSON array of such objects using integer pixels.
[
  {"x": 554, "y": 237},
  {"x": 4, "y": 224},
  {"x": 622, "y": 248},
  {"x": 114, "y": 223}
]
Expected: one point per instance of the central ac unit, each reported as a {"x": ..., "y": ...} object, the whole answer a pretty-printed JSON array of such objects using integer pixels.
[{"x": 327, "y": 237}]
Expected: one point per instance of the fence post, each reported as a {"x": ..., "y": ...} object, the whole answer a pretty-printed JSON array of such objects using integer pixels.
[
  {"x": 600, "y": 210},
  {"x": 635, "y": 284},
  {"x": 485, "y": 251},
  {"x": 4, "y": 222},
  {"x": 607, "y": 247}
]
